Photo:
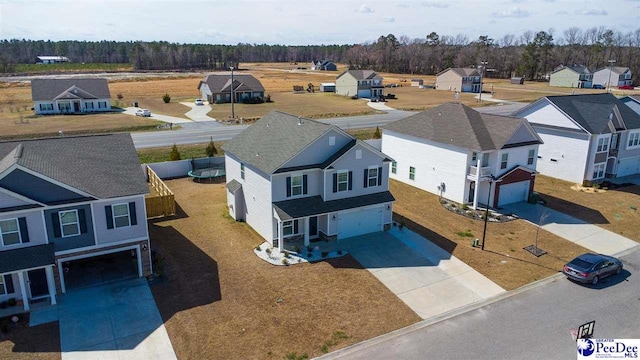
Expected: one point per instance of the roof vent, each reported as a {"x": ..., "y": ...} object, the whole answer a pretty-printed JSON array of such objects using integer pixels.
[
  {"x": 18, "y": 153},
  {"x": 299, "y": 120},
  {"x": 439, "y": 114},
  {"x": 257, "y": 154}
]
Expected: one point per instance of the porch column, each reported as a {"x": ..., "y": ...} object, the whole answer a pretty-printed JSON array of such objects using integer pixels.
[
  {"x": 280, "y": 237},
  {"x": 477, "y": 187},
  {"x": 306, "y": 231},
  {"x": 51, "y": 284},
  {"x": 23, "y": 291}
]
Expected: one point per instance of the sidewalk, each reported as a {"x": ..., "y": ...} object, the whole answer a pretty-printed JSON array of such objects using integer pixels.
[{"x": 575, "y": 230}]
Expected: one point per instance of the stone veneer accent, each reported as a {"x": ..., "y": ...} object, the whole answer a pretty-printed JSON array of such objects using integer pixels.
[{"x": 146, "y": 261}]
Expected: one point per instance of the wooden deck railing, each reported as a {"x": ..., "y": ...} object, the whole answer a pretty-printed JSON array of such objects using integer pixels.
[{"x": 163, "y": 204}]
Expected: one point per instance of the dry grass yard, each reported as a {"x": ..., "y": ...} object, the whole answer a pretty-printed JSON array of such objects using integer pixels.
[
  {"x": 503, "y": 261},
  {"x": 613, "y": 209},
  {"x": 22, "y": 342},
  {"x": 219, "y": 301}
]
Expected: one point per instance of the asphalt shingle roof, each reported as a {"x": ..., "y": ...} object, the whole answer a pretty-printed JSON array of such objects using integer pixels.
[
  {"x": 27, "y": 258},
  {"x": 460, "y": 125},
  {"x": 592, "y": 111},
  {"x": 48, "y": 89},
  {"x": 361, "y": 74},
  {"x": 221, "y": 82},
  {"x": 104, "y": 166},
  {"x": 462, "y": 71},
  {"x": 233, "y": 185},
  {"x": 297, "y": 208},
  {"x": 274, "y": 139}
]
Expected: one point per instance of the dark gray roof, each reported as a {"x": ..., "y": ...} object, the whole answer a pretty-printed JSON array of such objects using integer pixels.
[
  {"x": 615, "y": 69},
  {"x": 580, "y": 69},
  {"x": 460, "y": 125},
  {"x": 592, "y": 111},
  {"x": 221, "y": 82},
  {"x": 233, "y": 185},
  {"x": 297, "y": 208},
  {"x": 104, "y": 166},
  {"x": 462, "y": 71},
  {"x": 48, "y": 89},
  {"x": 361, "y": 74},
  {"x": 27, "y": 258},
  {"x": 274, "y": 139}
]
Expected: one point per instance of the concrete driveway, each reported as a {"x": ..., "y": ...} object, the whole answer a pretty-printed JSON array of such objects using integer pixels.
[
  {"x": 198, "y": 113},
  {"x": 115, "y": 321},
  {"x": 575, "y": 230},
  {"x": 165, "y": 118},
  {"x": 424, "y": 276}
]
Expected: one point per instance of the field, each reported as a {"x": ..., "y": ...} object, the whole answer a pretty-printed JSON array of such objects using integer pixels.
[{"x": 67, "y": 67}]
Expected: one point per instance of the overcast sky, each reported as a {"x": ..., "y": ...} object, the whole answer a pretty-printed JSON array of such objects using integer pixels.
[{"x": 302, "y": 22}]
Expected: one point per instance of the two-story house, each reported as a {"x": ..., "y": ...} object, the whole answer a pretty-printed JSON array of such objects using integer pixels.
[
  {"x": 361, "y": 83},
  {"x": 613, "y": 76},
  {"x": 459, "y": 79},
  {"x": 587, "y": 138},
  {"x": 64, "y": 96},
  {"x": 576, "y": 76},
  {"x": 464, "y": 156},
  {"x": 64, "y": 202},
  {"x": 295, "y": 180}
]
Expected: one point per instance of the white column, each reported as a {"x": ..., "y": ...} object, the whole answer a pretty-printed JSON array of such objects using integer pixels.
[
  {"x": 51, "y": 284},
  {"x": 306, "y": 231},
  {"x": 280, "y": 237},
  {"x": 478, "y": 174},
  {"x": 23, "y": 290}
]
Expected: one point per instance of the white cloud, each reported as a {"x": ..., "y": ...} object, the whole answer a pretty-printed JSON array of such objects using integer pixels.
[
  {"x": 518, "y": 1},
  {"x": 365, "y": 9},
  {"x": 403, "y": 5},
  {"x": 389, "y": 19},
  {"x": 593, "y": 11},
  {"x": 514, "y": 12},
  {"x": 563, "y": 12},
  {"x": 438, "y": 5}
]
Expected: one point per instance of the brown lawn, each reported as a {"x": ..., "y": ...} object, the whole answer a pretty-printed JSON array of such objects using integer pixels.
[
  {"x": 219, "y": 301},
  {"x": 22, "y": 342},
  {"x": 503, "y": 261},
  {"x": 612, "y": 209},
  {"x": 413, "y": 98}
]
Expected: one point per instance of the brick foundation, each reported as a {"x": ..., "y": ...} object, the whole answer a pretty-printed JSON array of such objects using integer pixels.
[{"x": 326, "y": 237}]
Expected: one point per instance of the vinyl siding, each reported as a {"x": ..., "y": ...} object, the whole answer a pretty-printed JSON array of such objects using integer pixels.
[
  {"x": 7, "y": 201},
  {"x": 346, "y": 85},
  {"x": 105, "y": 235},
  {"x": 320, "y": 150},
  {"x": 564, "y": 78},
  {"x": 569, "y": 149},
  {"x": 314, "y": 184},
  {"x": 35, "y": 227},
  {"x": 449, "y": 81},
  {"x": 71, "y": 242},
  {"x": 543, "y": 112}
]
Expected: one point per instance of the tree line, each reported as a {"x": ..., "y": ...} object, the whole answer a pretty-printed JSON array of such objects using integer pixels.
[{"x": 530, "y": 54}]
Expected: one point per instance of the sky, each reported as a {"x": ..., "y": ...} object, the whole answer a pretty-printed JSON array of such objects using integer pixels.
[{"x": 303, "y": 22}]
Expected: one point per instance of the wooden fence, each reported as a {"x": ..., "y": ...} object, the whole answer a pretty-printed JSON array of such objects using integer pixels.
[{"x": 163, "y": 204}]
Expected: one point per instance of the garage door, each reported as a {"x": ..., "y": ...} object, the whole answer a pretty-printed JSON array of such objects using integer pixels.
[
  {"x": 97, "y": 270},
  {"x": 513, "y": 193},
  {"x": 364, "y": 93},
  {"x": 359, "y": 222},
  {"x": 628, "y": 167}
]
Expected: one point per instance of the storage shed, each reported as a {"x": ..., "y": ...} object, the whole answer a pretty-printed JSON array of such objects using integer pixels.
[
  {"x": 417, "y": 82},
  {"x": 517, "y": 80},
  {"x": 327, "y": 87}
]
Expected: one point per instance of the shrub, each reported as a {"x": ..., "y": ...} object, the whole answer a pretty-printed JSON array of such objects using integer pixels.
[
  {"x": 596, "y": 186},
  {"x": 286, "y": 254},
  {"x": 296, "y": 249},
  {"x": 324, "y": 349},
  {"x": 285, "y": 262},
  {"x": 166, "y": 98},
  {"x": 267, "y": 98},
  {"x": 211, "y": 148},
  {"x": 258, "y": 248},
  {"x": 465, "y": 207},
  {"x": 377, "y": 134},
  {"x": 268, "y": 251},
  {"x": 467, "y": 233},
  {"x": 119, "y": 96},
  {"x": 295, "y": 356},
  {"x": 175, "y": 154},
  {"x": 324, "y": 254}
]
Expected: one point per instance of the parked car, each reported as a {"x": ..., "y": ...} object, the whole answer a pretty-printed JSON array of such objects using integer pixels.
[
  {"x": 625, "y": 87},
  {"x": 590, "y": 268},
  {"x": 597, "y": 86},
  {"x": 143, "y": 112},
  {"x": 199, "y": 102}
]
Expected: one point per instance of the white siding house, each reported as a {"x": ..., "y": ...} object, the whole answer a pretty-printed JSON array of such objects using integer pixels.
[{"x": 75, "y": 95}]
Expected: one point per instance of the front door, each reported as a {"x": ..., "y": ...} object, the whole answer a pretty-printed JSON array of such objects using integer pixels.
[
  {"x": 38, "y": 283},
  {"x": 76, "y": 107},
  {"x": 313, "y": 226},
  {"x": 472, "y": 191}
]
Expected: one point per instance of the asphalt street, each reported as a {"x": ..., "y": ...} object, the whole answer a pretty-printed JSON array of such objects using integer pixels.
[{"x": 534, "y": 324}]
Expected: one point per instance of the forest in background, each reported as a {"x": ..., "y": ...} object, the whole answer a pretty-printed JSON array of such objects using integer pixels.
[{"x": 530, "y": 54}]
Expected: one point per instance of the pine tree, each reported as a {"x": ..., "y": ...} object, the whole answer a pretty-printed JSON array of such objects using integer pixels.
[
  {"x": 175, "y": 154},
  {"x": 377, "y": 134},
  {"x": 211, "y": 149}
]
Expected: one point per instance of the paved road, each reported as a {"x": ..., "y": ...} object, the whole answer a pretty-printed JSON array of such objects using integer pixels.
[{"x": 534, "y": 324}]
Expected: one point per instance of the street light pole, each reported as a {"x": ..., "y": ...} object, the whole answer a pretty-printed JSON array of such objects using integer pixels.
[
  {"x": 611, "y": 62},
  {"x": 484, "y": 64},
  {"x": 233, "y": 114},
  {"x": 486, "y": 213}
]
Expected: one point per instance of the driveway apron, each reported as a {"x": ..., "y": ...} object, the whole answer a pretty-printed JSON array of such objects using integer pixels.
[
  {"x": 113, "y": 321},
  {"x": 425, "y": 277}
]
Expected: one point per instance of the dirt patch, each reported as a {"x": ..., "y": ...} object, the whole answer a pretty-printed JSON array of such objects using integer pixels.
[
  {"x": 220, "y": 301},
  {"x": 20, "y": 341}
]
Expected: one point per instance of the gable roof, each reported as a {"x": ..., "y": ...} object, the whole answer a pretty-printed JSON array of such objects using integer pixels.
[
  {"x": 591, "y": 111},
  {"x": 221, "y": 82},
  {"x": 461, "y": 71},
  {"x": 86, "y": 88},
  {"x": 460, "y": 125},
  {"x": 361, "y": 74},
  {"x": 104, "y": 166},
  {"x": 274, "y": 139},
  {"x": 615, "y": 69},
  {"x": 580, "y": 69}
]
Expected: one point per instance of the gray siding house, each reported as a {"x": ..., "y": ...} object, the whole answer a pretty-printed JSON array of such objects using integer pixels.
[
  {"x": 70, "y": 96},
  {"x": 459, "y": 79},
  {"x": 69, "y": 207},
  {"x": 324, "y": 65},
  {"x": 613, "y": 76},
  {"x": 361, "y": 83},
  {"x": 295, "y": 180},
  {"x": 216, "y": 88}
]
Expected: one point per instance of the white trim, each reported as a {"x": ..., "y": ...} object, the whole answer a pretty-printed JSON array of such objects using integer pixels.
[
  {"x": 346, "y": 183},
  {"x": 20, "y": 197},
  {"x": 27, "y": 269},
  {"x": 18, "y": 231},
  {"x": 378, "y": 175},
  {"x": 55, "y": 182},
  {"x": 3, "y": 286},
  {"x": 102, "y": 246},
  {"x": 301, "y": 175},
  {"x": 93, "y": 223},
  {"x": 44, "y": 226},
  {"x": 77, "y": 222},
  {"x": 364, "y": 145},
  {"x": 23, "y": 291},
  {"x": 113, "y": 216}
]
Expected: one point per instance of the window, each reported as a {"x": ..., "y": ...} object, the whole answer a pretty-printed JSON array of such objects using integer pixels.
[
  {"x": 394, "y": 167},
  {"x": 64, "y": 107},
  {"x": 3, "y": 289},
  {"x": 242, "y": 171},
  {"x": 358, "y": 154},
  {"x": 121, "y": 215},
  {"x": 598, "y": 171},
  {"x": 69, "y": 223},
  {"x": 485, "y": 159},
  {"x": 332, "y": 140},
  {"x": 296, "y": 185},
  {"x": 287, "y": 228},
  {"x": 474, "y": 156},
  {"x": 412, "y": 173},
  {"x": 88, "y": 105},
  {"x": 532, "y": 154},
  {"x": 504, "y": 161},
  {"x": 46, "y": 107},
  {"x": 343, "y": 181},
  {"x": 603, "y": 144},
  {"x": 614, "y": 141},
  {"x": 634, "y": 139},
  {"x": 9, "y": 232},
  {"x": 372, "y": 176},
  {"x": 102, "y": 105}
]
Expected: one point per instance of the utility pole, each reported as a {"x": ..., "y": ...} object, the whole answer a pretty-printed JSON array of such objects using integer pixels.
[
  {"x": 611, "y": 62},
  {"x": 484, "y": 65},
  {"x": 233, "y": 113},
  {"x": 486, "y": 213}
]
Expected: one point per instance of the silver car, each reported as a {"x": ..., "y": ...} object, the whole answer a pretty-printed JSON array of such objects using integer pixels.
[{"x": 590, "y": 268}]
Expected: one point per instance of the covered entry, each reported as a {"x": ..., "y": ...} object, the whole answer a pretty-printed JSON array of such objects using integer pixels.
[{"x": 99, "y": 268}]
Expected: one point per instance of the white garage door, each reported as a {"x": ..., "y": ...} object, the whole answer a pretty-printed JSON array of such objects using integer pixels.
[
  {"x": 359, "y": 222},
  {"x": 628, "y": 167},
  {"x": 364, "y": 93},
  {"x": 512, "y": 193}
]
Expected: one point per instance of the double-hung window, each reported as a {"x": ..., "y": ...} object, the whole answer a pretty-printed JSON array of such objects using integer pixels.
[
  {"x": 296, "y": 185},
  {"x": 121, "y": 216},
  {"x": 46, "y": 107},
  {"x": 372, "y": 176},
  {"x": 532, "y": 154},
  {"x": 242, "y": 171},
  {"x": 394, "y": 167},
  {"x": 412, "y": 173},
  {"x": 485, "y": 159},
  {"x": 9, "y": 232},
  {"x": 634, "y": 139},
  {"x": 69, "y": 224},
  {"x": 598, "y": 171},
  {"x": 603, "y": 144},
  {"x": 287, "y": 228},
  {"x": 88, "y": 105},
  {"x": 343, "y": 181},
  {"x": 474, "y": 156},
  {"x": 504, "y": 161}
]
